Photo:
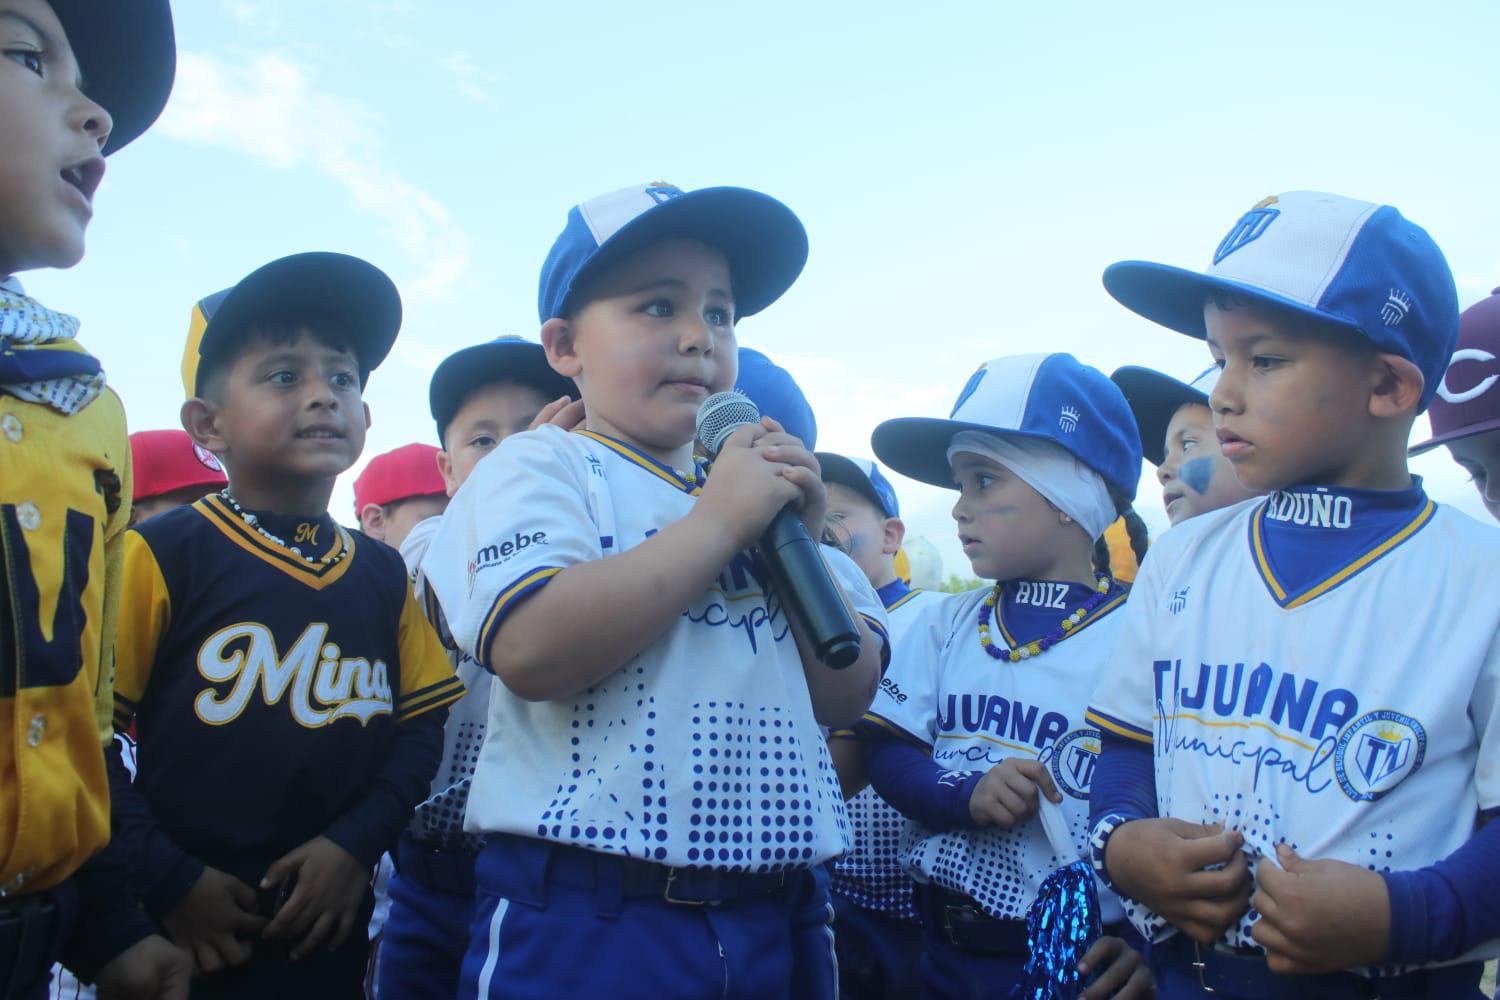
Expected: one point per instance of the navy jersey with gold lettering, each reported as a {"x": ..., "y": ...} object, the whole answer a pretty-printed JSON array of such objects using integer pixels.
[{"x": 267, "y": 690}]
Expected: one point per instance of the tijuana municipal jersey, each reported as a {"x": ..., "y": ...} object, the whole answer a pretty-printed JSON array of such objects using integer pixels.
[
  {"x": 869, "y": 874},
  {"x": 438, "y": 821},
  {"x": 947, "y": 694},
  {"x": 1353, "y": 716},
  {"x": 700, "y": 751},
  {"x": 265, "y": 689}
]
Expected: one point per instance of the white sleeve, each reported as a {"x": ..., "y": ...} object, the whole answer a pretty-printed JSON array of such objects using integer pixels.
[
  {"x": 847, "y": 574},
  {"x": 907, "y": 700},
  {"x": 521, "y": 518},
  {"x": 414, "y": 547},
  {"x": 1484, "y": 709},
  {"x": 1124, "y": 700}
]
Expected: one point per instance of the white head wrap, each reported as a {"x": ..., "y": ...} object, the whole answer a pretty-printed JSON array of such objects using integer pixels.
[{"x": 1048, "y": 468}]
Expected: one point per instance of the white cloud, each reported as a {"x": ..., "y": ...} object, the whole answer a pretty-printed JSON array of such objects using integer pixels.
[
  {"x": 473, "y": 82},
  {"x": 267, "y": 108}
]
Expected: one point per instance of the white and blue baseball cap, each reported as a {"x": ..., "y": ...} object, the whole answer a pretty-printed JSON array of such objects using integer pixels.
[
  {"x": 1052, "y": 397},
  {"x": 1351, "y": 263},
  {"x": 1155, "y": 397},
  {"x": 764, "y": 242},
  {"x": 863, "y": 477}
]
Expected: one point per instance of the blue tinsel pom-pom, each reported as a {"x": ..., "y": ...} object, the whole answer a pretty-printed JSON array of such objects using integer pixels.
[{"x": 1061, "y": 927}]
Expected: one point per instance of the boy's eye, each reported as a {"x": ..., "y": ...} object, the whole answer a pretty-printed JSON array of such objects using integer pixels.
[
  {"x": 720, "y": 317},
  {"x": 30, "y": 58},
  {"x": 1264, "y": 362},
  {"x": 484, "y": 441},
  {"x": 345, "y": 380},
  {"x": 985, "y": 480},
  {"x": 283, "y": 377},
  {"x": 1188, "y": 443},
  {"x": 660, "y": 308}
]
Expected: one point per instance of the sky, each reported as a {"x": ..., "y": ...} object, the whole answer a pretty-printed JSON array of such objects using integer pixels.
[{"x": 965, "y": 172}]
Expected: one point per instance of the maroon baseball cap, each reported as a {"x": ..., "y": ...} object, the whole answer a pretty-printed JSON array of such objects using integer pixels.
[
  {"x": 168, "y": 461},
  {"x": 1468, "y": 397},
  {"x": 408, "y": 471}
]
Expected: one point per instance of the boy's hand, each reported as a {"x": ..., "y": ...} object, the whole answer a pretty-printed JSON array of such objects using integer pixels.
[
  {"x": 213, "y": 920},
  {"x": 746, "y": 488},
  {"x": 563, "y": 411},
  {"x": 151, "y": 969},
  {"x": 1007, "y": 794},
  {"x": 804, "y": 472},
  {"x": 323, "y": 907},
  {"x": 1125, "y": 972},
  {"x": 1163, "y": 863},
  {"x": 1319, "y": 916}
]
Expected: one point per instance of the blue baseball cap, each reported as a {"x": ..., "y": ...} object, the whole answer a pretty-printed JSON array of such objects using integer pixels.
[
  {"x": 764, "y": 242},
  {"x": 777, "y": 395},
  {"x": 1351, "y": 263},
  {"x": 1048, "y": 396},
  {"x": 863, "y": 477},
  {"x": 1154, "y": 398},
  {"x": 502, "y": 359}
]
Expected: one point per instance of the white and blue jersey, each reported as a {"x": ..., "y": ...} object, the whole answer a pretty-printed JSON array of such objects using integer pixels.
[
  {"x": 945, "y": 693},
  {"x": 870, "y": 874},
  {"x": 702, "y": 750},
  {"x": 1318, "y": 668}
]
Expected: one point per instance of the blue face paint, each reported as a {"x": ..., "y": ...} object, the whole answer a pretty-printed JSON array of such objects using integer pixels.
[{"x": 1197, "y": 474}]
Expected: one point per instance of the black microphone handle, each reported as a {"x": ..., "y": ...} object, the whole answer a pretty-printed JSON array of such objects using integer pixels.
[{"x": 808, "y": 589}]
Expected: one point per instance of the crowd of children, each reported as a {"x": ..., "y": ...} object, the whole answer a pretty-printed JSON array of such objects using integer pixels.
[{"x": 552, "y": 690}]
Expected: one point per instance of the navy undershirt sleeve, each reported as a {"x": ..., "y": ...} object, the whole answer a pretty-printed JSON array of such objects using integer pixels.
[
  {"x": 1124, "y": 780},
  {"x": 159, "y": 872},
  {"x": 1441, "y": 911},
  {"x": 906, "y": 776}
]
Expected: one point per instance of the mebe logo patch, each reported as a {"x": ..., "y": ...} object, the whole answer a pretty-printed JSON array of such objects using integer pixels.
[{"x": 494, "y": 555}]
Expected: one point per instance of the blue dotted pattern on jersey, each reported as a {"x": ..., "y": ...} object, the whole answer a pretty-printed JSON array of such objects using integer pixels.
[
  {"x": 439, "y": 821},
  {"x": 869, "y": 874}
]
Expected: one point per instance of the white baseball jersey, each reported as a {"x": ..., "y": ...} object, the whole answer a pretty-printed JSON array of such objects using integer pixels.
[
  {"x": 870, "y": 873},
  {"x": 439, "y": 819},
  {"x": 702, "y": 750},
  {"x": 1355, "y": 719},
  {"x": 973, "y": 711}
]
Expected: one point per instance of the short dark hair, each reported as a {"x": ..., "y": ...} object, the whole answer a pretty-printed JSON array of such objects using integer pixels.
[
  {"x": 280, "y": 329},
  {"x": 1348, "y": 337}
]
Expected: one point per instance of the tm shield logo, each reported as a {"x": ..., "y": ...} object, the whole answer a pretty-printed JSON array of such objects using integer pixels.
[{"x": 1251, "y": 227}]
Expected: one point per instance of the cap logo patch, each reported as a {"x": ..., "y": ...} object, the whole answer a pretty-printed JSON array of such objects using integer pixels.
[
  {"x": 968, "y": 390},
  {"x": 1397, "y": 305},
  {"x": 1068, "y": 419},
  {"x": 1467, "y": 354},
  {"x": 662, "y": 191},
  {"x": 207, "y": 458},
  {"x": 1251, "y": 227}
]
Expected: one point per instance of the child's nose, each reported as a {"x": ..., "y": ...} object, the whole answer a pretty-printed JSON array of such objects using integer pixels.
[{"x": 1166, "y": 472}]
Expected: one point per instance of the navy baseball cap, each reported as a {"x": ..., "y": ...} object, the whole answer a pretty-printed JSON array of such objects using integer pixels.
[
  {"x": 346, "y": 290},
  {"x": 1351, "y": 263},
  {"x": 1052, "y": 397},
  {"x": 777, "y": 395},
  {"x": 863, "y": 477},
  {"x": 499, "y": 360},
  {"x": 127, "y": 52},
  {"x": 1154, "y": 398},
  {"x": 764, "y": 242}
]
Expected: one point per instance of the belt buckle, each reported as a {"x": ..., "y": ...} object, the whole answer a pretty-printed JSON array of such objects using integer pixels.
[
  {"x": 1199, "y": 965},
  {"x": 948, "y": 913},
  {"x": 666, "y": 892}
]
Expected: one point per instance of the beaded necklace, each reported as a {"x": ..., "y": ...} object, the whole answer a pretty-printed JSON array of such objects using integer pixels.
[
  {"x": 1037, "y": 647},
  {"x": 254, "y": 522}
]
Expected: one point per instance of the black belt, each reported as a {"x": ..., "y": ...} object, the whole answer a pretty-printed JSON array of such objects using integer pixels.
[
  {"x": 30, "y": 941},
  {"x": 435, "y": 869},
  {"x": 635, "y": 878},
  {"x": 958, "y": 918},
  {"x": 1246, "y": 974}
]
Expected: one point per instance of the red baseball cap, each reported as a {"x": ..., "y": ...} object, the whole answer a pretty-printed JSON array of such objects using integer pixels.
[
  {"x": 1468, "y": 398},
  {"x": 167, "y": 461},
  {"x": 408, "y": 471}
]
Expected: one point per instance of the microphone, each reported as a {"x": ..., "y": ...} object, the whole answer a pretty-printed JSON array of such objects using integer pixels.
[{"x": 793, "y": 557}]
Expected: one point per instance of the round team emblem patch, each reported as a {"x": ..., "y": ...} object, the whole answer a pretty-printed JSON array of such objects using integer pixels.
[
  {"x": 1377, "y": 752},
  {"x": 207, "y": 458},
  {"x": 1074, "y": 757}
]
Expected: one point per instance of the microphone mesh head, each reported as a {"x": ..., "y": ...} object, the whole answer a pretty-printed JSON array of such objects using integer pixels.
[{"x": 721, "y": 415}]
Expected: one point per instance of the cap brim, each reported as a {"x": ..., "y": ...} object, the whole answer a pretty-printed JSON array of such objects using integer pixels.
[
  {"x": 1457, "y": 434},
  {"x": 351, "y": 292},
  {"x": 841, "y": 470},
  {"x": 917, "y": 447},
  {"x": 466, "y": 369},
  {"x": 127, "y": 52},
  {"x": 763, "y": 240},
  {"x": 1174, "y": 297},
  {"x": 1153, "y": 399}
]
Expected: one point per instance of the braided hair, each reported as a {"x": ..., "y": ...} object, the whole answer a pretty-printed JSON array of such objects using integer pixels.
[{"x": 1135, "y": 529}]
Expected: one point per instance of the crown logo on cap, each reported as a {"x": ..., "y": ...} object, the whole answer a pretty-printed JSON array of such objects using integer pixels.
[
  {"x": 1397, "y": 305},
  {"x": 1068, "y": 419}
]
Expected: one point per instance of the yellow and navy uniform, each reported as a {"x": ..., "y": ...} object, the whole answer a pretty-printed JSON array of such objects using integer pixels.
[
  {"x": 64, "y": 505},
  {"x": 276, "y": 699}
]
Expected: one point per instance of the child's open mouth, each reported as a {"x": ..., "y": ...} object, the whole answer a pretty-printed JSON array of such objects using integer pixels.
[{"x": 85, "y": 177}]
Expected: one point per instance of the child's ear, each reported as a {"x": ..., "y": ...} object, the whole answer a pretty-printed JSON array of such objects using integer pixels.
[
  {"x": 200, "y": 418},
  {"x": 367, "y": 415},
  {"x": 1398, "y": 387},
  {"x": 895, "y": 534},
  {"x": 445, "y": 469},
  {"x": 372, "y": 521},
  {"x": 560, "y": 342}
]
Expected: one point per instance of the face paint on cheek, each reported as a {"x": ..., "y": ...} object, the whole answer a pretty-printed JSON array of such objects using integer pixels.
[{"x": 1197, "y": 474}]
